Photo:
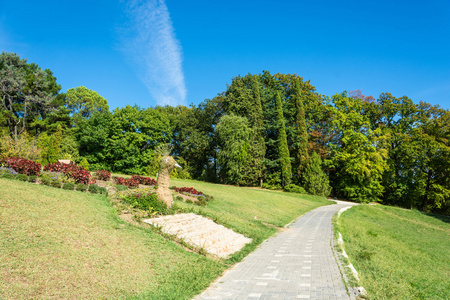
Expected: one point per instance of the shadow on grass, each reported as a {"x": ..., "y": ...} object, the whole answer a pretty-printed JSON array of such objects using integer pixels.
[{"x": 443, "y": 218}]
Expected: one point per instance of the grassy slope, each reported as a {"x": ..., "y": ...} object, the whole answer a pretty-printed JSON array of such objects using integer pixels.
[
  {"x": 66, "y": 244},
  {"x": 399, "y": 254},
  {"x": 237, "y": 207}
]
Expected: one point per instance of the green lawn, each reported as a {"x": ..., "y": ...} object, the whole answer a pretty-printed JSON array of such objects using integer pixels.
[
  {"x": 399, "y": 254},
  {"x": 67, "y": 244},
  {"x": 237, "y": 207}
]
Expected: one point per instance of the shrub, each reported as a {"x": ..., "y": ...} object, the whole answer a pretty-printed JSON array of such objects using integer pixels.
[
  {"x": 292, "y": 188},
  {"x": 69, "y": 186},
  {"x": 200, "y": 202},
  {"x": 93, "y": 181},
  {"x": 81, "y": 187},
  {"x": 120, "y": 188},
  {"x": 149, "y": 202},
  {"x": 78, "y": 173},
  {"x": 53, "y": 176},
  {"x": 144, "y": 180},
  {"x": 84, "y": 163},
  {"x": 4, "y": 170},
  {"x": 45, "y": 181},
  {"x": 103, "y": 175},
  {"x": 22, "y": 165},
  {"x": 271, "y": 186},
  {"x": 103, "y": 191},
  {"x": 55, "y": 183},
  {"x": 179, "y": 198},
  {"x": 189, "y": 201},
  {"x": 127, "y": 182},
  {"x": 8, "y": 176},
  {"x": 94, "y": 189},
  {"x": 32, "y": 178},
  {"x": 22, "y": 177},
  {"x": 23, "y": 145},
  {"x": 186, "y": 190}
]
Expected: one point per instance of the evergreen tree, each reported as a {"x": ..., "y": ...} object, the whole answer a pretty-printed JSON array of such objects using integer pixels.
[
  {"x": 301, "y": 137},
  {"x": 50, "y": 146},
  {"x": 258, "y": 148},
  {"x": 283, "y": 150},
  {"x": 315, "y": 180}
]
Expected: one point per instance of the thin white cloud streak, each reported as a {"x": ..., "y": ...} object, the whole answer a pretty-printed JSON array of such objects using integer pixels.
[{"x": 148, "y": 40}]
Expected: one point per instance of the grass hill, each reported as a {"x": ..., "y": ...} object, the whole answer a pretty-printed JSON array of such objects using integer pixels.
[
  {"x": 399, "y": 253},
  {"x": 66, "y": 244}
]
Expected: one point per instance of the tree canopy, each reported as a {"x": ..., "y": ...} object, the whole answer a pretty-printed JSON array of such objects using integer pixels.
[{"x": 263, "y": 130}]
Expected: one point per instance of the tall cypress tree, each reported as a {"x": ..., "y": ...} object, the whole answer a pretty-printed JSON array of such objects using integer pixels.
[
  {"x": 301, "y": 142},
  {"x": 283, "y": 150},
  {"x": 259, "y": 145}
]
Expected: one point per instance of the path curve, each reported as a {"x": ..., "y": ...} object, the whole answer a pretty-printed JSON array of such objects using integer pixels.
[{"x": 295, "y": 264}]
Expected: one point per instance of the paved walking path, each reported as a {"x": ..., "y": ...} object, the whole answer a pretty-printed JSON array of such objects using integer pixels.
[{"x": 295, "y": 264}]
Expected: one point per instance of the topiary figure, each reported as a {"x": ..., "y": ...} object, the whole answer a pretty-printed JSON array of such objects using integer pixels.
[{"x": 166, "y": 164}]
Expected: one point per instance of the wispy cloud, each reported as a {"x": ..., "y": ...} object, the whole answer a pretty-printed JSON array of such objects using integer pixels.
[{"x": 148, "y": 40}]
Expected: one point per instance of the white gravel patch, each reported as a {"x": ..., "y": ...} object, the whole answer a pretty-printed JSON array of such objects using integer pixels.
[{"x": 201, "y": 232}]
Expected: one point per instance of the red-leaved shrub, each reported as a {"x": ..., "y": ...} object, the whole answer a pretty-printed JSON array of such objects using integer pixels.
[
  {"x": 22, "y": 165},
  {"x": 144, "y": 180},
  {"x": 188, "y": 190},
  {"x": 79, "y": 174},
  {"x": 103, "y": 175},
  {"x": 127, "y": 182}
]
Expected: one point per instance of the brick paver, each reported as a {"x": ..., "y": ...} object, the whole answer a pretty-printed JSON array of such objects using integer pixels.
[{"x": 295, "y": 264}]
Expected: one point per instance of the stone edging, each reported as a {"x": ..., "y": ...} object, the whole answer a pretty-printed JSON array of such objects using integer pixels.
[{"x": 356, "y": 291}]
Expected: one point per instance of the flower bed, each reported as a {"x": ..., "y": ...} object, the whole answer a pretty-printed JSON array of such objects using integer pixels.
[
  {"x": 187, "y": 190},
  {"x": 79, "y": 174},
  {"x": 103, "y": 175},
  {"x": 144, "y": 180},
  {"x": 22, "y": 165},
  {"x": 126, "y": 182}
]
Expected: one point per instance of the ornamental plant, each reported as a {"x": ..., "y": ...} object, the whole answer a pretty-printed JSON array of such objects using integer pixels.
[
  {"x": 103, "y": 175},
  {"x": 77, "y": 173},
  {"x": 127, "y": 182},
  {"x": 22, "y": 165},
  {"x": 187, "y": 190},
  {"x": 144, "y": 180}
]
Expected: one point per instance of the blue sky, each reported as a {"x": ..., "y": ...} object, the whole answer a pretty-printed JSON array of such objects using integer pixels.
[{"x": 183, "y": 52}]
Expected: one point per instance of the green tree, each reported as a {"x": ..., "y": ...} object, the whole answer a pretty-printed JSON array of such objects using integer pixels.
[
  {"x": 234, "y": 136},
  {"x": 243, "y": 98},
  {"x": 301, "y": 136},
  {"x": 360, "y": 155},
  {"x": 195, "y": 140},
  {"x": 83, "y": 102},
  {"x": 432, "y": 178},
  {"x": 315, "y": 179},
  {"x": 69, "y": 148},
  {"x": 50, "y": 146},
  {"x": 25, "y": 90},
  {"x": 283, "y": 150}
]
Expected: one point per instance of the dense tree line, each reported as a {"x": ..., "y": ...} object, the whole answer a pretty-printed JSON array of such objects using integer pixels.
[{"x": 274, "y": 131}]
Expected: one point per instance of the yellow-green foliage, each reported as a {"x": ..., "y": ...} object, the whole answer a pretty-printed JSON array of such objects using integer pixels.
[{"x": 23, "y": 146}]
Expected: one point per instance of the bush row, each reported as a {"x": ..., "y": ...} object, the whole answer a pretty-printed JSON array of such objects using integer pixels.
[
  {"x": 77, "y": 173},
  {"x": 94, "y": 189},
  {"x": 126, "y": 182},
  {"x": 144, "y": 180},
  {"x": 187, "y": 190},
  {"x": 103, "y": 175},
  {"x": 21, "y": 165}
]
